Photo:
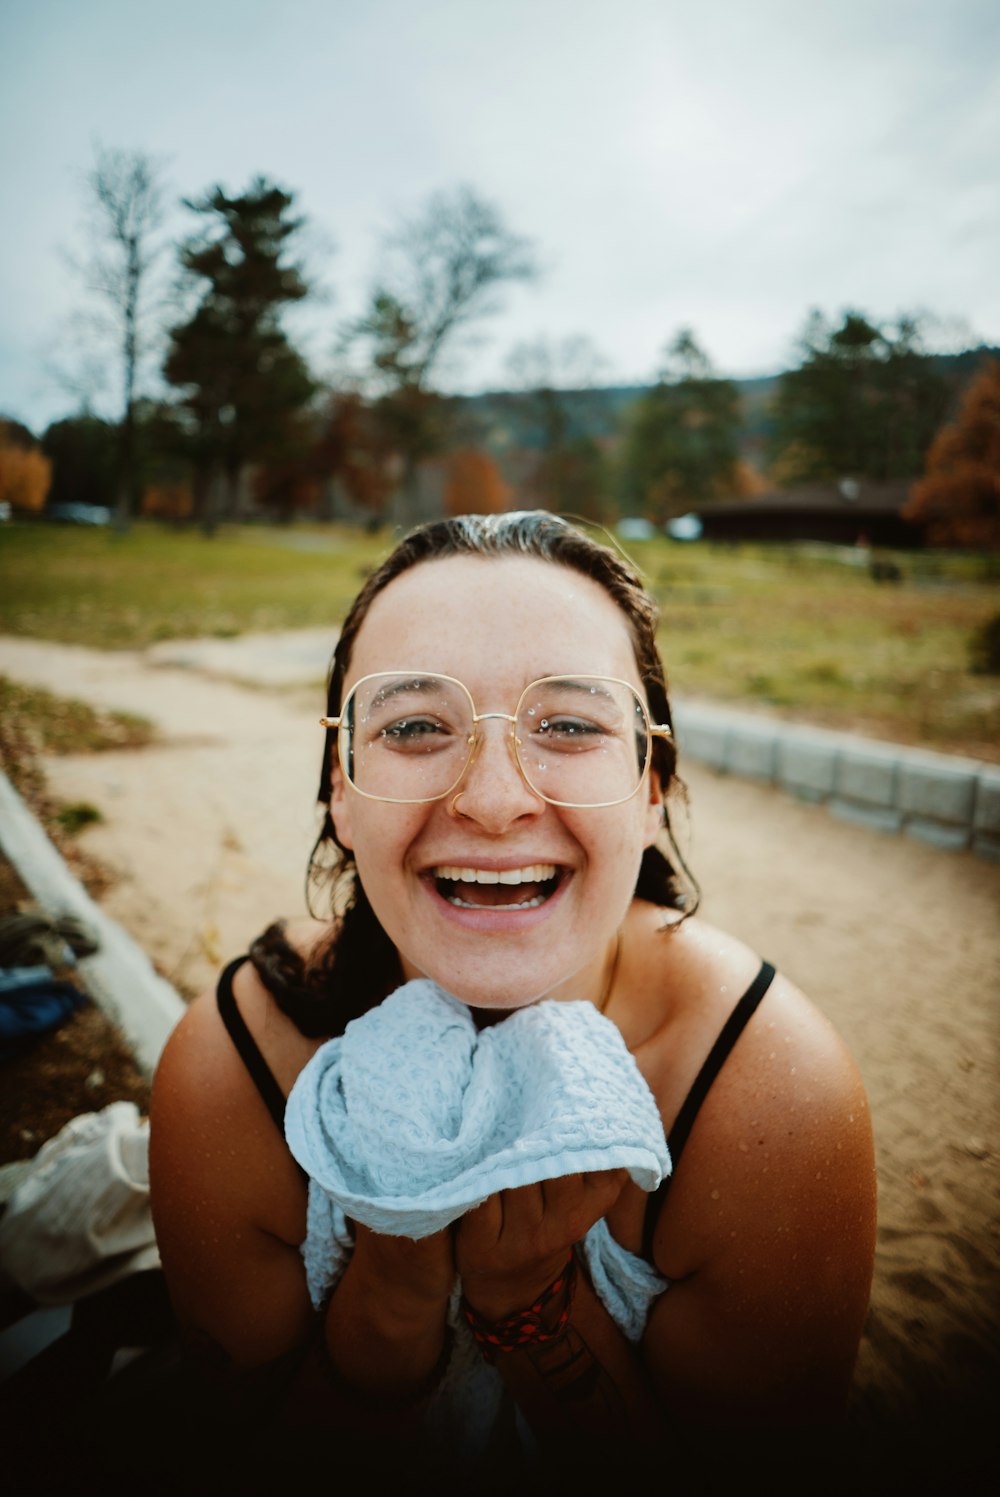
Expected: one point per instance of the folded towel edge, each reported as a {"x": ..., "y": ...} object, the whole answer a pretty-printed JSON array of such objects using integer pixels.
[{"x": 442, "y": 1204}]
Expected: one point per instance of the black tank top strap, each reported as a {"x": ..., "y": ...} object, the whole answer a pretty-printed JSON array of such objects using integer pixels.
[
  {"x": 684, "y": 1122},
  {"x": 247, "y": 1047}
]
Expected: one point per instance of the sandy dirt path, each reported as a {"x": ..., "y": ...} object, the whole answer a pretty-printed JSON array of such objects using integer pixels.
[{"x": 898, "y": 943}]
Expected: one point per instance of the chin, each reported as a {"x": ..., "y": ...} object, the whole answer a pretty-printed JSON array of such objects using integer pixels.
[
  {"x": 503, "y": 990},
  {"x": 487, "y": 995},
  {"x": 490, "y": 1002}
]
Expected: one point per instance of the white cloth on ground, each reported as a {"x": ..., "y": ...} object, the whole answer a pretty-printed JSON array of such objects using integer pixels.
[
  {"x": 80, "y": 1219},
  {"x": 412, "y": 1117}
]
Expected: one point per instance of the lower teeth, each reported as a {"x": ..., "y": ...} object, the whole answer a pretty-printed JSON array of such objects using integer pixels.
[{"x": 463, "y": 904}]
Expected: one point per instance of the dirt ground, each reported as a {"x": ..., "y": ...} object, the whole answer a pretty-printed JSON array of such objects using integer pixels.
[{"x": 898, "y": 943}]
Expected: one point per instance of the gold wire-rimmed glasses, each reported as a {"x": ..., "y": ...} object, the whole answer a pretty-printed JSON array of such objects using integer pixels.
[{"x": 579, "y": 741}]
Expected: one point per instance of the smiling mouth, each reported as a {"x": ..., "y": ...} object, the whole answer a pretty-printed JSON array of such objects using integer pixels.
[{"x": 490, "y": 889}]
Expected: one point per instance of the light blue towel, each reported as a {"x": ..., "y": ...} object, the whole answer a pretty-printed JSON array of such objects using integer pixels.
[{"x": 413, "y": 1116}]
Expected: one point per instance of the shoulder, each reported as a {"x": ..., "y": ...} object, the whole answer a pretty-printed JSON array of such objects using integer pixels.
[
  {"x": 784, "y": 1131},
  {"x": 201, "y": 1046},
  {"x": 207, "y": 1113},
  {"x": 683, "y": 984},
  {"x": 787, "y": 1113}
]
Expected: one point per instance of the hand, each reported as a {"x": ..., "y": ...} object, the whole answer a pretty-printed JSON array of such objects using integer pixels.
[
  {"x": 410, "y": 1277},
  {"x": 512, "y": 1246}
]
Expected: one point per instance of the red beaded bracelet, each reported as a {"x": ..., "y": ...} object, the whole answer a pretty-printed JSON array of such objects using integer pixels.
[{"x": 524, "y": 1327}]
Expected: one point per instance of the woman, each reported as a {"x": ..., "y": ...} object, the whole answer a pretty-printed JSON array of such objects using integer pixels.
[{"x": 513, "y": 862}]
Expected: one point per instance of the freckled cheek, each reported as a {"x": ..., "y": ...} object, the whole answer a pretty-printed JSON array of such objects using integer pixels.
[
  {"x": 615, "y": 858},
  {"x": 383, "y": 833},
  {"x": 382, "y": 848}
]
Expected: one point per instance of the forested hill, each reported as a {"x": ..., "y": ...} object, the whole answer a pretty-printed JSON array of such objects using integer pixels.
[{"x": 502, "y": 419}]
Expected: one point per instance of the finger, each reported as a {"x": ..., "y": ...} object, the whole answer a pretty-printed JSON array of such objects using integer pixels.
[
  {"x": 436, "y": 1241},
  {"x": 523, "y": 1208},
  {"x": 561, "y": 1193},
  {"x": 480, "y": 1228},
  {"x": 606, "y": 1182},
  {"x": 576, "y": 1202},
  {"x": 602, "y": 1189}
]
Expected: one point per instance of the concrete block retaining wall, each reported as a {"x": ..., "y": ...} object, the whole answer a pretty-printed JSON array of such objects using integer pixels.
[
  {"x": 944, "y": 800},
  {"x": 119, "y": 976}
]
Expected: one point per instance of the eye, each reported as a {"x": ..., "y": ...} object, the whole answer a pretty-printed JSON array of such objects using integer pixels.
[
  {"x": 419, "y": 733},
  {"x": 569, "y": 731}
]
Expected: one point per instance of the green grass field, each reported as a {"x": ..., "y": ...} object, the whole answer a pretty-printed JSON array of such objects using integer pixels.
[
  {"x": 795, "y": 630},
  {"x": 123, "y": 592}
]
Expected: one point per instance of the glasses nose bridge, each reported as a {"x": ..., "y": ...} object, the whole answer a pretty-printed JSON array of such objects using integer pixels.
[
  {"x": 481, "y": 717},
  {"x": 479, "y": 738}
]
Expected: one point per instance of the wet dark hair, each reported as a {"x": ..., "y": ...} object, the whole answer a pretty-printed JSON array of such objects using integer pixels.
[{"x": 359, "y": 965}]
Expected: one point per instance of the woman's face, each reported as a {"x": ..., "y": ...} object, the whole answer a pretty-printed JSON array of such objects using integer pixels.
[{"x": 496, "y": 624}]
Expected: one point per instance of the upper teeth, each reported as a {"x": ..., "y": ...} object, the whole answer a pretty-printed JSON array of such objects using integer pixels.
[{"x": 535, "y": 873}]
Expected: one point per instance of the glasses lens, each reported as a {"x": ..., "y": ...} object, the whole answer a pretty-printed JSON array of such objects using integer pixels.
[
  {"x": 406, "y": 737},
  {"x": 582, "y": 740}
]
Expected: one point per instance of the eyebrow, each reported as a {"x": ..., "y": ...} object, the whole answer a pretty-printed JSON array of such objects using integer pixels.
[
  {"x": 584, "y": 688},
  {"x": 405, "y": 684},
  {"x": 431, "y": 682}
]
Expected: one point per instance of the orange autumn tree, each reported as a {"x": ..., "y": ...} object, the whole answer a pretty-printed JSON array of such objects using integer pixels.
[
  {"x": 25, "y": 471},
  {"x": 169, "y": 500},
  {"x": 353, "y": 448},
  {"x": 474, "y": 485},
  {"x": 958, "y": 498}
]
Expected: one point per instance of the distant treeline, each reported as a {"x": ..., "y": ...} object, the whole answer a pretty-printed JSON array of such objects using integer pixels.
[{"x": 251, "y": 429}]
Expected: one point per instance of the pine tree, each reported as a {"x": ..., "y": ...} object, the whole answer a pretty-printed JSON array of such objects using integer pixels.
[
  {"x": 681, "y": 443},
  {"x": 864, "y": 403},
  {"x": 245, "y": 387}
]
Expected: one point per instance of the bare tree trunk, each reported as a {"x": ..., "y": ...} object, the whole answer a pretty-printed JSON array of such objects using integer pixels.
[
  {"x": 209, "y": 501},
  {"x": 126, "y": 195},
  {"x": 125, "y": 507},
  {"x": 126, "y": 472},
  {"x": 410, "y": 493}
]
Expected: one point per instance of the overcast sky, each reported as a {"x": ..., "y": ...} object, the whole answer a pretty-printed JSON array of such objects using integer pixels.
[{"x": 722, "y": 164}]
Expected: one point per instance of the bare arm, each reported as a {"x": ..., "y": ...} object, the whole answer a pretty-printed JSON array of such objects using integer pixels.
[
  {"x": 229, "y": 1207},
  {"x": 768, "y": 1234}
]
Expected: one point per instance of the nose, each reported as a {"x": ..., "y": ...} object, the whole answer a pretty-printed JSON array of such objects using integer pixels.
[{"x": 494, "y": 792}]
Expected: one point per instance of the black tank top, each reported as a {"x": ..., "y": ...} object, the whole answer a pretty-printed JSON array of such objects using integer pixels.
[{"x": 274, "y": 1099}]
